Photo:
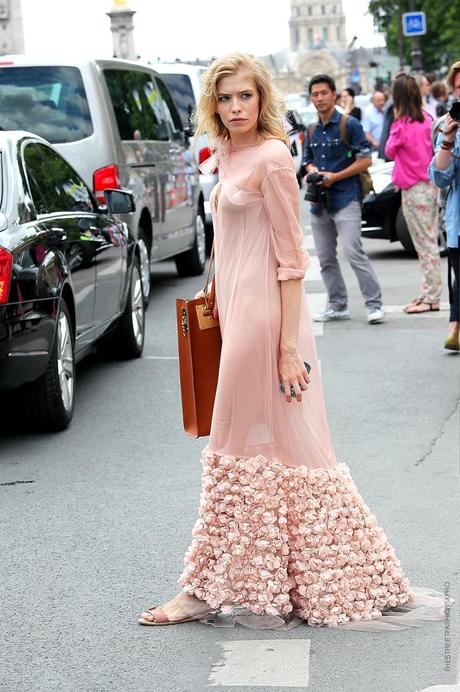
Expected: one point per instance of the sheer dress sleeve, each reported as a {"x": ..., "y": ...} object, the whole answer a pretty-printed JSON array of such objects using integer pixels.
[{"x": 282, "y": 202}]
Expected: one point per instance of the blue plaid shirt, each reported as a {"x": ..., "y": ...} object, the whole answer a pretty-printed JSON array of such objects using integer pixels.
[
  {"x": 328, "y": 152},
  {"x": 444, "y": 178}
]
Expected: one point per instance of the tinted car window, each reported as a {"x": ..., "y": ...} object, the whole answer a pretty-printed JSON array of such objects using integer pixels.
[
  {"x": 137, "y": 105},
  {"x": 50, "y": 101},
  {"x": 170, "y": 110},
  {"x": 54, "y": 185},
  {"x": 182, "y": 92}
]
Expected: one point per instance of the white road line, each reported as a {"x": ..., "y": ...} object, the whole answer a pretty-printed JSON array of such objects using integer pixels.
[
  {"x": 313, "y": 273},
  {"x": 263, "y": 663},
  {"x": 161, "y": 357},
  {"x": 308, "y": 242},
  {"x": 399, "y": 308}
]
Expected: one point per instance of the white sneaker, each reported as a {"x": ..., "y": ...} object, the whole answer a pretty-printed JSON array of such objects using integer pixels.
[
  {"x": 375, "y": 315},
  {"x": 330, "y": 314}
]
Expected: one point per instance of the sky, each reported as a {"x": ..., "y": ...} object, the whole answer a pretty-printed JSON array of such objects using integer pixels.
[{"x": 174, "y": 28}]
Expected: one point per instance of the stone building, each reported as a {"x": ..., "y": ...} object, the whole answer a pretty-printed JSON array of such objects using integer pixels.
[
  {"x": 317, "y": 25},
  {"x": 11, "y": 33}
]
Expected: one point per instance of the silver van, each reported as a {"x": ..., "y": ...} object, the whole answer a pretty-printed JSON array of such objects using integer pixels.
[
  {"x": 184, "y": 83},
  {"x": 116, "y": 123}
]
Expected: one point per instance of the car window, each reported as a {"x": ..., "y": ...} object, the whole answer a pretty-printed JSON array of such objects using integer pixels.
[
  {"x": 49, "y": 101},
  {"x": 181, "y": 90},
  {"x": 137, "y": 105},
  {"x": 54, "y": 185},
  {"x": 171, "y": 114}
]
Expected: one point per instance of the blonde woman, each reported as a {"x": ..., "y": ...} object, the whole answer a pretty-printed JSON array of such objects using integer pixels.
[{"x": 282, "y": 527}]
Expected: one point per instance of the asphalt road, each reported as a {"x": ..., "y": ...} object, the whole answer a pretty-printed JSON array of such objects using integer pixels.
[{"x": 95, "y": 520}]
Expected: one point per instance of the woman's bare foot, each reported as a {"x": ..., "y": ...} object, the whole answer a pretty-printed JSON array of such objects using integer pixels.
[{"x": 181, "y": 607}]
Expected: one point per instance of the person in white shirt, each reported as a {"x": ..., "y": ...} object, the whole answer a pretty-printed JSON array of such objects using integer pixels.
[{"x": 373, "y": 119}]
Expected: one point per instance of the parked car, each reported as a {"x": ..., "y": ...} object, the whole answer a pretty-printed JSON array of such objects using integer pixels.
[
  {"x": 184, "y": 83},
  {"x": 70, "y": 275},
  {"x": 116, "y": 123},
  {"x": 296, "y": 129},
  {"x": 382, "y": 215}
]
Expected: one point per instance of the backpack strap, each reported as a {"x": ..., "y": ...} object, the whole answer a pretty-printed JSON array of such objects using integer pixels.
[
  {"x": 343, "y": 129},
  {"x": 311, "y": 130}
]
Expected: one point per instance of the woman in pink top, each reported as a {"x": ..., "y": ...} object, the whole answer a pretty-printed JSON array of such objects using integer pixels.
[
  {"x": 282, "y": 527},
  {"x": 410, "y": 145}
]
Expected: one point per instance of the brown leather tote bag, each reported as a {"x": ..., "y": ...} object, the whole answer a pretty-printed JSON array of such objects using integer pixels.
[{"x": 199, "y": 345}]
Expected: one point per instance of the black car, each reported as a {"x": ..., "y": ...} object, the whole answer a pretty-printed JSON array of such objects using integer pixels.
[
  {"x": 69, "y": 276},
  {"x": 382, "y": 215}
]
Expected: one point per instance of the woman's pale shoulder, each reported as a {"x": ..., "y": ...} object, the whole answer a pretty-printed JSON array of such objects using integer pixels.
[{"x": 275, "y": 154}]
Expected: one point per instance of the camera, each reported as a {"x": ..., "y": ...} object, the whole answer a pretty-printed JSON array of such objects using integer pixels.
[
  {"x": 455, "y": 111},
  {"x": 313, "y": 192}
]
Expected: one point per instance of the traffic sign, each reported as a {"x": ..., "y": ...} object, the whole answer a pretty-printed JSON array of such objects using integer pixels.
[{"x": 414, "y": 23}]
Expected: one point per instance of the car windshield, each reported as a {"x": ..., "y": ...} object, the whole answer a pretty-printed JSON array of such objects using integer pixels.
[
  {"x": 182, "y": 92},
  {"x": 48, "y": 101}
]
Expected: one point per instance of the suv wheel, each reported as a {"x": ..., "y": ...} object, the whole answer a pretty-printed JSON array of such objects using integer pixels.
[
  {"x": 403, "y": 234},
  {"x": 128, "y": 339},
  {"x": 192, "y": 262},
  {"x": 144, "y": 254},
  {"x": 51, "y": 398}
]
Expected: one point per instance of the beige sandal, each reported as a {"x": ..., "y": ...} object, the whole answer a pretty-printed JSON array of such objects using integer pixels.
[{"x": 160, "y": 618}]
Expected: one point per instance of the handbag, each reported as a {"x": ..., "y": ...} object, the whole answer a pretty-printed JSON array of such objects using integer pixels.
[{"x": 199, "y": 345}]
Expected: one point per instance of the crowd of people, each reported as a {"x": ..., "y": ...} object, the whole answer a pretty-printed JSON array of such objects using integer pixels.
[{"x": 416, "y": 125}]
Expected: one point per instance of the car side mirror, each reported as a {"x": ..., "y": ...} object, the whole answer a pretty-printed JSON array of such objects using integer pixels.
[{"x": 119, "y": 201}]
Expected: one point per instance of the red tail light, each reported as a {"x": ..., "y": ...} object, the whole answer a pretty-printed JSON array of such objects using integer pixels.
[
  {"x": 204, "y": 154},
  {"x": 6, "y": 261},
  {"x": 104, "y": 179},
  {"x": 302, "y": 137}
]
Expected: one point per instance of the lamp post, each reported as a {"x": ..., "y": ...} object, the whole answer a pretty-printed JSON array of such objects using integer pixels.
[{"x": 416, "y": 52}]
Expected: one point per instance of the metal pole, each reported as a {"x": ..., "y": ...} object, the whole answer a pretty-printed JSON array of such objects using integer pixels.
[
  {"x": 400, "y": 39},
  {"x": 416, "y": 53}
]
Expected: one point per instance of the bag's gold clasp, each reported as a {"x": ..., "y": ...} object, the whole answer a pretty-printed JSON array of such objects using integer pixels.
[{"x": 184, "y": 321}]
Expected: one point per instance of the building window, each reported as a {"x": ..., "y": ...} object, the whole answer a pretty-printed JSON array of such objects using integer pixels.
[
  {"x": 338, "y": 32},
  {"x": 323, "y": 9},
  {"x": 334, "y": 9},
  {"x": 325, "y": 33},
  {"x": 310, "y": 37},
  {"x": 310, "y": 8},
  {"x": 296, "y": 38}
]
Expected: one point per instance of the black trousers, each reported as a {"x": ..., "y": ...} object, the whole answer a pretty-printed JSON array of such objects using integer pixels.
[{"x": 453, "y": 254}]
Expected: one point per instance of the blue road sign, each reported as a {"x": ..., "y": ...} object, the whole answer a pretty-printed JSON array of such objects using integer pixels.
[{"x": 414, "y": 23}]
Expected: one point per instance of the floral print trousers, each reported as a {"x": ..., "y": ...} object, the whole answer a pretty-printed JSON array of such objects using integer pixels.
[{"x": 420, "y": 209}]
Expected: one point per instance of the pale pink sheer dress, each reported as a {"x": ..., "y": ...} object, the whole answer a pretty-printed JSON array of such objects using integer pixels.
[{"x": 282, "y": 528}]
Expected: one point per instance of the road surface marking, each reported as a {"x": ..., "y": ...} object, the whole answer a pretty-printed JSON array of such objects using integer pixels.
[
  {"x": 399, "y": 308},
  {"x": 161, "y": 357},
  {"x": 263, "y": 663},
  {"x": 313, "y": 273},
  {"x": 308, "y": 242}
]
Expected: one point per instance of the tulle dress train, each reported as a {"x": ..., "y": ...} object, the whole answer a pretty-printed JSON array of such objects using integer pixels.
[{"x": 283, "y": 534}]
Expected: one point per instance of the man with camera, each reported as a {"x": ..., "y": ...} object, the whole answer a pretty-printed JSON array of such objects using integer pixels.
[{"x": 333, "y": 164}]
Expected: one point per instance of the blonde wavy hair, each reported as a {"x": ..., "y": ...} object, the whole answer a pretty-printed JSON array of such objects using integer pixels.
[{"x": 271, "y": 107}]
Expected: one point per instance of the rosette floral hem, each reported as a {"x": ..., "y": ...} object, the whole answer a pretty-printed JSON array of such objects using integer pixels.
[{"x": 277, "y": 539}]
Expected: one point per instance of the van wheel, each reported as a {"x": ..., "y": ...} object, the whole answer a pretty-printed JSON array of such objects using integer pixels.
[
  {"x": 50, "y": 399},
  {"x": 403, "y": 234},
  {"x": 128, "y": 338},
  {"x": 144, "y": 254},
  {"x": 192, "y": 262}
]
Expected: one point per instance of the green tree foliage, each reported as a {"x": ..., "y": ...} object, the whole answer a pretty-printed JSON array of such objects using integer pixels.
[{"x": 440, "y": 45}]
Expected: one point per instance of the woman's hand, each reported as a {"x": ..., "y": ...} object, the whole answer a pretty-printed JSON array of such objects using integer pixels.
[
  {"x": 450, "y": 128},
  {"x": 200, "y": 294},
  {"x": 293, "y": 373}
]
